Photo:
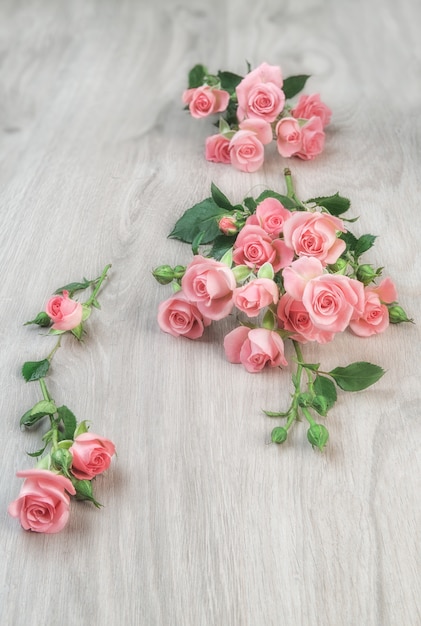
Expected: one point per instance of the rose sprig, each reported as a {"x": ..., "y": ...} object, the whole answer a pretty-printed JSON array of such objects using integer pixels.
[
  {"x": 254, "y": 110},
  {"x": 70, "y": 457},
  {"x": 290, "y": 271}
]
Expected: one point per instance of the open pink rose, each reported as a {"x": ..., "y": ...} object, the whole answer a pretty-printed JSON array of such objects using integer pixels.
[
  {"x": 312, "y": 106},
  {"x": 312, "y": 139},
  {"x": 180, "y": 317},
  {"x": 91, "y": 455},
  {"x": 288, "y": 137},
  {"x": 254, "y": 247},
  {"x": 374, "y": 318},
  {"x": 297, "y": 275},
  {"x": 43, "y": 502},
  {"x": 260, "y": 95},
  {"x": 262, "y": 128},
  {"x": 315, "y": 234},
  {"x": 386, "y": 291},
  {"x": 255, "y": 296},
  {"x": 205, "y": 100},
  {"x": 293, "y": 316},
  {"x": 209, "y": 284},
  {"x": 254, "y": 348},
  {"x": 246, "y": 151},
  {"x": 271, "y": 216},
  {"x": 65, "y": 312},
  {"x": 333, "y": 300},
  {"x": 217, "y": 149}
]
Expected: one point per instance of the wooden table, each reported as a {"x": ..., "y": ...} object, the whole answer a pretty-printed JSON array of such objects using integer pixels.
[{"x": 203, "y": 523}]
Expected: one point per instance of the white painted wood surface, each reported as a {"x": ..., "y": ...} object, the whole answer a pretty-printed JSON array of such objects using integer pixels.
[{"x": 203, "y": 523}]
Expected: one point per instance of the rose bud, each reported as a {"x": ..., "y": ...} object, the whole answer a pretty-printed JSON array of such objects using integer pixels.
[
  {"x": 279, "y": 434},
  {"x": 366, "y": 274},
  {"x": 318, "y": 436},
  {"x": 164, "y": 274},
  {"x": 397, "y": 315}
]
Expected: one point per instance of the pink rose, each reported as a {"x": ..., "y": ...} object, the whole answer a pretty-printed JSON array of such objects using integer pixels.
[
  {"x": 374, "y": 318},
  {"x": 271, "y": 216},
  {"x": 227, "y": 225},
  {"x": 256, "y": 295},
  {"x": 43, "y": 504},
  {"x": 205, "y": 100},
  {"x": 65, "y": 312},
  {"x": 260, "y": 95},
  {"x": 297, "y": 275},
  {"x": 288, "y": 137},
  {"x": 312, "y": 106},
  {"x": 312, "y": 139},
  {"x": 254, "y": 247},
  {"x": 246, "y": 151},
  {"x": 294, "y": 317},
  {"x": 217, "y": 149},
  {"x": 333, "y": 300},
  {"x": 386, "y": 291},
  {"x": 91, "y": 455},
  {"x": 254, "y": 348},
  {"x": 262, "y": 129},
  {"x": 180, "y": 317},
  {"x": 209, "y": 284},
  {"x": 315, "y": 234}
]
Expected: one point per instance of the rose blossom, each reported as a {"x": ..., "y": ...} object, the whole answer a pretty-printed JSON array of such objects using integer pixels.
[
  {"x": 209, "y": 284},
  {"x": 312, "y": 106},
  {"x": 65, "y": 312},
  {"x": 255, "y": 295},
  {"x": 297, "y": 275},
  {"x": 262, "y": 129},
  {"x": 205, "y": 100},
  {"x": 246, "y": 151},
  {"x": 288, "y": 136},
  {"x": 314, "y": 234},
  {"x": 333, "y": 300},
  {"x": 43, "y": 504},
  {"x": 294, "y": 317},
  {"x": 180, "y": 317},
  {"x": 312, "y": 139},
  {"x": 227, "y": 225},
  {"x": 254, "y": 348},
  {"x": 254, "y": 247},
  {"x": 260, "y": 95},
  {"x": 270, "y": 215},
  {"x": 374, "y": 318},
  {"x": 386, "y": 291},
  {"x": 217, "y": 149},
  {"x": 91, "y": 455}
]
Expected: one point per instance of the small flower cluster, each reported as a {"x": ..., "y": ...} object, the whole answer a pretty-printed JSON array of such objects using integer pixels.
[
  {"x": 295, "y": 269},
  {"x": 254, "y": 112},
  {"x": 75, "y": 456}
]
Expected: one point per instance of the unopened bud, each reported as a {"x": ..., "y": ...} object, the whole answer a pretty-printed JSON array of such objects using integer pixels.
[
  {"x": 397, "y": 315},
  {"x": 179, "y": 271},
  {"x": 339, "y": 267},
  {"x": 227, "y": 225},
  {"x": 164, "y": 274},
  {"x": 62, "y": 458},
  {"x": 366, "y": 274},
  {"x": 318, "y": 435},
  {"x": 305, "y": 399},
  {"x": 279, "y": 434},
  {"x": 319, "y": 404}
]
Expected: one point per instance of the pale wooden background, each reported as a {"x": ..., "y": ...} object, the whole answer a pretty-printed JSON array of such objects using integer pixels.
[{"x": 204, "y": 523}]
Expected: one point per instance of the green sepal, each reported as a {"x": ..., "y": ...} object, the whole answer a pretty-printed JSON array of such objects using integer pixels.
[
  {"x": 72, "y": 287},
  {"x": 356, "y": 376},
  {"x": 69, "y": 422},
  {"x": 34, "y": 370},
  {"x": 42, "y": 319},
  {"x": 311, "y": 366},
  {"x": 81, "y": 428},
  {"x": 78, "y": 331},
  {"x": 62, "y": 460},
  {"x": 241, "y": 272},
  {"x": 284, "y": 200},
  {"x": 65, "y": 444},
  {"x": 84, "y": 491},
  {"x": 336, "y": 204},
  {"x": 56, "y": 331},
  {"x": 227, "y": 258},
  {"x": 201, "y": 218},
  {"x": 37, "y": 453},
  {"x": 250, "y": 203},
  {"x": 87, "y": 310},
  {"x": 320, "y": 404},
  {"x": 197, "y": 76},
  {"x": 276, "y": 413},
  {"x": 294, "y": 84},
  {"x": 269, "y": 321},
  {"x": 266, "y": 271}
]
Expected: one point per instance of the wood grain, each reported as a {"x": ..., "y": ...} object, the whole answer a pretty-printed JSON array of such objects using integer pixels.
[{"x": 203, "y": 523}]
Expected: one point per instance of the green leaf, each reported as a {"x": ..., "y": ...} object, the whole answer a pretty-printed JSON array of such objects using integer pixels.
[
  {"x": 40, "y": 410},
  {"x": 350, "y": 240},
  {"x": 86, "y": 311},
  {"x": 72, "y": 287},
  {"x": 268, "y": 193},
  {"x": 276, "y": 413},
  {"x": 201, "y": 218},
  {"x": 241, "y": 272},
  {"x": 78, "y": 331},
  {"x": 226, "y": 259},
  {"x": 37, "y": 453},
  {"x": 364, "y": 243},
  {"x": 356, "y": 376},
  {"x": 34, "y": 370},
  {"x": 294, "y": 84},
  {"x": 269, "y": 321},
  {"x": 197, "y": 76},
  {"x": 82, "y": 428},
  {"x": 69, "y": 422},
  {"x": 221, "y": 245},
  {"x": 250, "y": 203},
  {"x": 266, "y": 271},
  {"x": 229, "y": 81},
  {"x": 336, "y": 205},
  {"x": 84, "y": 491},
  {"x": 42, "y": 319},
  {"x": 220, "y": 199},
  {"x": 324, "y": 387}
]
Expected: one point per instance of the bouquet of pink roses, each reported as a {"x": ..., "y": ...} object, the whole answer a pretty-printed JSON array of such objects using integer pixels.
[
  {"x": 254, "y": 111},
  {"x": 290, "y": 270}
]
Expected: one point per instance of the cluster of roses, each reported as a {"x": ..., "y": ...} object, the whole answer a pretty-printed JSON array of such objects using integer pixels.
[
  {"x": 76, "y": 456},
  {"x": 255, "y": 112},
  {"x": 285, "y": 260}
]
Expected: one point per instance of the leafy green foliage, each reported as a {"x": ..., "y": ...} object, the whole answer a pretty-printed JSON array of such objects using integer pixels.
[
  {"x": 221, "y": 245},
  {"x": 229, "y": 81},
  {"x": 69, "y": 422},
  {"x": 364, "y": 243},
  {"x": 197, "y": 75},
  {"x": 201, "y": 218},
  {"x": 356, "y": 376},
  {"x": 34, "y": 370},
  {"x": 73, "y": 287},
  {"x": 336, "y": 204},
  {"x": 220, "y": 199},
  {"x": 287, "y": 202},
  {"x": 37, "y": 413},
  {"x": 294, "y": 84},
  {"x": 325, "y": 387},
  {"x": 42, "y": 319}
]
